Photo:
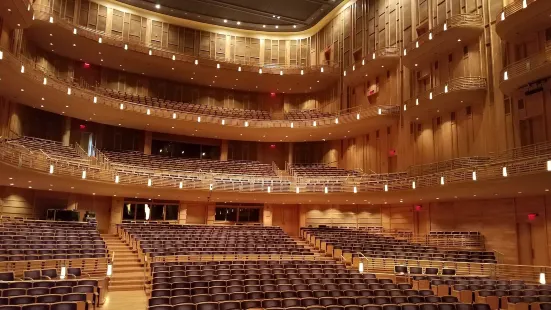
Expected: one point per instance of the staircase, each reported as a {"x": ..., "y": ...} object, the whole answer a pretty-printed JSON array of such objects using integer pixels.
[{"x": 128, "y": 271}]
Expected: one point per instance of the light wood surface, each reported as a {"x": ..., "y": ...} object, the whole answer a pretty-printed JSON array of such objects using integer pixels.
[{"x": 125, "y": 300}]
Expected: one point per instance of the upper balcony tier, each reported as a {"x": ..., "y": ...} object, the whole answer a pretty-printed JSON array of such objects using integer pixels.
[
  {"x": 456, "y": 31},
  {"x": 521, "y": 17},
  {"x": 376, "y": 64},
  {"x": 68, "y": 39},
  {"x": 29, "y": 84},
  {"x": 17, "y": 13},
  {"x": 449, "y": 96},
  {"x": 49, "y": 164},
  {"x": 525, "y": 71}
]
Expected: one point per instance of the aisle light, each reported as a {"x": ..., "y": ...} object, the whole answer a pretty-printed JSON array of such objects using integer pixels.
[
  {"x": 380, "y": 111},
  {"x": 321, "y": 69},
  {"x": 505, "y": 76},
  {"x": 430, "y": 95},
  {"x": 259, "y": 71},
  {"x": 51, "y": 19},
  {"x": 298, "y": 190},
  {"x": 326, "y": 190},
  {"x": 84, "y": 174},
  {"x": 117, "y": 179},
  {"x": 148, "y": 112},
  {"x": 126, "y": 47},
  {"x": 502, "y": 16},
  {"x": 524, "y": 4},
  {"x": 196, "y": 62},
  {"x": 217, "y": 66},
  {"x": 355, "y": 190},
  {"x": 292, "y": 125},
  {"x": 430, "y": 36},
  {"x": 269, "y": 189},
  {"x": 361, "y": 267},
  {"x": 386, "y": 187},
  {"x": 549, "y": 165},
  {"x": 358, "y": 116},
  {"x": 173, "y": 57},
  {"x": 150, "y": 52},
  {"x": 121, "y": 106},
  {"x": 314, "y": 123},
  {"x": 198, "y": 119},
  {"x": 22, "y": 69},
  {"x": 417, "y": 44},
  {"x": 405, "y": 107},
  {"x": 336, "y": 120},
  {"x": 45, "y": 81},
  {"x": 95, "y": 99},
  {"x": 354, "y": 68},
  {"x": 149, "y": 182},
  {"x": 542, "y": 278},
  {"x": 63, "y": 273},
  {"x": 239, "y": 69},
  {"x": 445, "y": 26},
  {"x": 446, "y": 88},
  {"x": 413, "y": 185},
  {"x": 100, "y": 40},
  {"x": 174, "y": 115},
  {"x": 181, "y": 184},
  {"x": 301, "y": 72},
  {"x": 223, "y": 122},
  {"x": 1, "y": 55},
  {"x": 504, "y": 171},
  {"x": 74, "y": 30},
  {"x": 69, "y": 91},
  {"x": 280, "y": 72},
  {"x": 246, "y": 124},
  {"x": 417, "y": 101},
  {"x": 442, "y": 180},
  {"x": 474, "y": 175},
  {"x": 51, "y": 169},
  {"x": 405, "y": 52},
  {"x": 109, "y": 270}
]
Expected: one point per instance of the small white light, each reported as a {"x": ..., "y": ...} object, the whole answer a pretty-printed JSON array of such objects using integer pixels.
[
  {"x": 174, "y": 115},
  {"x": 417, "y": 44},
  {"x": 117, "y": 179},
  {"x": 344, "y": 73},
  {"x": 198, "y": 119},
  {"x": 51, "y": 19},
  {"x": 504, "y": 171},
  {"x": 121, "y": 106},
  {"x": 314, "y": 124},
  {"x": 301, "y": 72},
  {"x": 326, "y": 190},
  {"x": 1, "y": 55},
  {"x": 109, "y": 270},
  {"x": 386, "y": 187},
  {"x": 100, "y": 40},
  {"x": 157, "y": 6},
  {"x": 292, "y": 125},
  {"x": 380, "y": 111},
  {"x": 148, "y": 112},
  {"x": 51, "y": 169},
  {"x": 45, "y": 81},
  {"x": 442, "y": 180},
  {"x": 223, "y": 122},
  {"x": 413, "y": 185},
  {"x": 210, "y": 187},
  {"x": 196, "y": 61},
  {"x": 246, "y": 124},
  {"x": 269, "y": 189},
  {"x": 69, "y": 91},
  {"x": 354, "y": 68},
  {"x": 298, "y": 190},
  {"x": 217, "y": 66},
  {"x": 430, "y": 36},
  {"x": 336, "y": 120},
  {"x": 63, "y": 273},
  {"x": 505, "y": 76},
  {"x": 357, "y": 116},
  {"x": 373, "y": 55},
  {"x": 225, "y": 20},
  {"x": 95, "y": 99},
  {"x": 361, "y": 267},
  {"x": 445, "y": 26},
  {"x": 417, "y": 101},
  {"x": 74, "y": 30},
  {"x": 405, "y": 52},
  {"x": 181, "y": 185},
  {"x": 150, "y": 52},
  {"x": 355, "y": 190},
  {"x": 259, "y": 71},
  {"x": 239, "y": 23},
  {"x": 474, "y": 175},
  {"x": 502, "y": 16},
  {"x": 280, "y": 72},
  {"x": 84, "y": 174},
  {"x": 321, "y": 69},
  {"x": 22, "y": 69},
  {"x": 363, "y": 62},
  {"x": 524, "y": 4},
  {"x": 430, "y": 95},
  {"x": 549, "y": 165},
  {"x": 149, "y": 182},
  {"x": 542, "y": 278}
]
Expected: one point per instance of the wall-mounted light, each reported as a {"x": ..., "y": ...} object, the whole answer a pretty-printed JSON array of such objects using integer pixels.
[
  {"x": 223, "y": 122},
  {"x": 100, "y": 40},
  {"x": 181, "y": 185},
  {"x": 84, "y": 174},
  {"x": 69, "y": 91},
  {"x": 95, "y": 99},
  {"x": 297, "y": 190},
  {"x": 314, "y": 123},
  {"x": 361, "y": 267},
  {"x": 117, "y": 179},
  {"x": 45, "y": 81},
  {"x": 51, "y": 169},
  {"x": 355, "y": 190},
  {"x": 198, "y": 119},
  {"x": 126, "y": 47},
  {"x": 386, "y": 187},
  {"x": 109, "y": 270},
  {"x": 326, "y": 190},
  {"x": 504, "y": 171},
  {"x": 269, "y": 189},
  {"x": 292, "y": 125},
  {"x": 413, "y": 185},
  {"x": 210, "y": 187},
  {"x": 474, "y": 175},
  {"x": 148, "y": 112},
  {"x": 174, "y": 116},
  {"x": 149, "y": 182},
  {"x": 22, "y": 69},
  {"x": 442, "y": 180}
]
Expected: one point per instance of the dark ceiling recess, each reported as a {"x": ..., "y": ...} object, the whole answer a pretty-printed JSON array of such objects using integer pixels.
[{"x": 261, "y": 15}]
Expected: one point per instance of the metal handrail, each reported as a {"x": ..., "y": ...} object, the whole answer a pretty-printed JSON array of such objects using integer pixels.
[
  {"x": 526, "y": 65},
  {"x": 382, "y": 52},
  {"x": 456, "y": 84},
  {"x": 459, "y": 20},
  {"x": 512, "y": 8},
  {"x": 44, "y": 12}
]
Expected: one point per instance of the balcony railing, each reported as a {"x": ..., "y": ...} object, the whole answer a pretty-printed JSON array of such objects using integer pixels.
[
  {"x": 526, "y": 65},
  {"x": 44, "y": 13},
  {"x": 513, "y": 8},
  {"x": 451, "y": 86},
  {"x": 88, "y": 92},
  {"x": 523, "y": 161},
  {"x": 456, "y": 21},
  {"x": 391, "y": 51}
]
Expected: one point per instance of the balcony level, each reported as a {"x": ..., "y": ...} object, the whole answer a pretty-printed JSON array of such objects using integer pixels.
[
  {"x": 17, "y": 13},
  {"x": 526, "y": 71},
  {"x": 449, "y": 96},
  {"x": 455, "y": 32},
  {"x": 99, "y": 48},
  {"x": 26, "y": 82},
  {"x": 521, "y": 17},
  {"x": 374, "y": 65}
]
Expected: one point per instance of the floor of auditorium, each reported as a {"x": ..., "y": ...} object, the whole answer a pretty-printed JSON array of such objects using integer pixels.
[{"x": 125, "y": 300}]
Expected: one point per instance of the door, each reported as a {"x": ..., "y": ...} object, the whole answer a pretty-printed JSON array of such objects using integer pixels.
[{"x": 525, "y": 252}]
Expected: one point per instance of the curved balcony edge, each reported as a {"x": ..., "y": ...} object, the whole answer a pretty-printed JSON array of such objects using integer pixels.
[
  {"x": 94, "y": 106},
  {"x": 522, "y": 16},
  {"x": 449, "y": 96},
  {"x": 17, "y": 14},
  {"x": 377, "y": 63},
  {"x": 533, "y": 68}
]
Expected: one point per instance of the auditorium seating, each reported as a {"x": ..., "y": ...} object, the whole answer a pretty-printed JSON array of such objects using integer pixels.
[
  {"x": 51, "y": 294},
  {"x": 320, "y": 170},
  {"x": 165, "y": 240},
  {"x": 386, "y": 246},
  {"x": 120, "y": 160},
  {"x": 186, "y": 107},
  {"x": 297, "y": 115},
  {"x": 53, "y": 149},
  {"x": 287, "y": 284},
  {"x": 44, "y": 240}
]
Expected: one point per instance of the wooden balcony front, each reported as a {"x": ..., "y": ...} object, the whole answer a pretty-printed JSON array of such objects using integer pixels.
[
  {"x": 521, "y": 17},
  {"x": 526, "y": 71},
  {"x": 374, "y": 65}
]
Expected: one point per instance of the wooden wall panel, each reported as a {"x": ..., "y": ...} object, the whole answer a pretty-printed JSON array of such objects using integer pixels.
[{"x": 196, "y": 213}]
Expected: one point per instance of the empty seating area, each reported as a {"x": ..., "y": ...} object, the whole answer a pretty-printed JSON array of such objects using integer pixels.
[
  {"x": 297, "y": 115},
  {"x": 186, "y": 107},
  {"x": 44, "y": 240},
  {"x": 48, "y": 293},
  {"x": 386, "y": 246},
  {"x": 288, "y": 284},
  {"x": 238, "y": 167},
  {"x": 166, "y": 240},
  {"x": 51, "y": 148},
  {"x": 320, "y": 170}
]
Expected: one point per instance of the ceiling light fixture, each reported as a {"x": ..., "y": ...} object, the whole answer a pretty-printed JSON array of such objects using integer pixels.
[{"x": 158, "y": 6}]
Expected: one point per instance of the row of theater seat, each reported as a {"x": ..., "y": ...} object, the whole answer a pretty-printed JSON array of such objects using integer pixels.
[{"x": 63, "y": 305}]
